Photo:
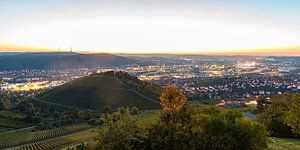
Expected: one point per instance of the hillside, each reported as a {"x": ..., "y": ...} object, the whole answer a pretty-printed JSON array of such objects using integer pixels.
[
  {"x": 105, "y": 91},
  {"x": 60, "y": 61}
]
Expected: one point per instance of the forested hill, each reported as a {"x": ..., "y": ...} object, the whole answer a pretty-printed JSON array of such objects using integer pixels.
[
  {"x": 103, "y": 91},
  {"x": 61, "y": 60}
]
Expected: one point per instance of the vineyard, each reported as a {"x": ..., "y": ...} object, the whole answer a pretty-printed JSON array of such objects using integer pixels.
[
  {"x": 27, "y": 138},
  {"x": 60, "y": 142}
]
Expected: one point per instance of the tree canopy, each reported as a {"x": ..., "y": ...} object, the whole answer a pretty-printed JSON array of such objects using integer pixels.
[
  {"x": 281, "y": 115},
  {"x": 292, "y": 115},
  {"x": 193, "y": 127}
]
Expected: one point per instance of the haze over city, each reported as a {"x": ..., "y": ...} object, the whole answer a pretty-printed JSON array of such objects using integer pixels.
[{"x": 233, "y": 27}]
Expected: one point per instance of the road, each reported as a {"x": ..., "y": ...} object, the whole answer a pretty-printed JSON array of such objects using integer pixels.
[{"x": 62, "y": 105}]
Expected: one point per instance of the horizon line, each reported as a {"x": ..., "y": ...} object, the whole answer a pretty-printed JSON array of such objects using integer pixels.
[
  {"x": 156, "y": 53},
  {"x": 291, "y": 50}
]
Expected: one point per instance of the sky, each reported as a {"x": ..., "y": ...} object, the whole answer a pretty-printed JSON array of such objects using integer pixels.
[{"x": 263, "y": 27}]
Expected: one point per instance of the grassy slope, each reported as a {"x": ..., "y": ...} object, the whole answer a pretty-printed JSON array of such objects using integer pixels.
[
  {"x": 97, "y": 92},
  {"x": 284, "y": 144}
]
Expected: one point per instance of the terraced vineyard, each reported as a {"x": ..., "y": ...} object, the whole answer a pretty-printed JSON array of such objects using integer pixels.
[
  {"x": 60, "y": 142},
  {"x": 26, "y": 136},
  {"x": 45, "y": 145},
  {"x": 12, "y": 137},
  {"x": 40, "y": 135}
]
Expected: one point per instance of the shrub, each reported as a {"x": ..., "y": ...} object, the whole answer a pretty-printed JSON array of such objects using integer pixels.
[
  {"x": 182, "y": 127},
  {"x": 281, "y": 116},
  {"x": 119, "y": 131},
  {"x": 208, "y": 128},
  {"x": 292, "y": 115},
  {"x": 195, "y": 128}
]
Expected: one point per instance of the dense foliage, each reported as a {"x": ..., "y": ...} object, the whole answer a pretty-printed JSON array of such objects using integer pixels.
[
  {"x": 190, "y": 127},
  {"x": 194, "y": 128},
  {"x": 48, "y": 116},
  {"x": 208, "y": 128},
  {"x": 292, "y": 116},
  {"x": 120, "y": 131},
  {"x": 281, "y": 115}
]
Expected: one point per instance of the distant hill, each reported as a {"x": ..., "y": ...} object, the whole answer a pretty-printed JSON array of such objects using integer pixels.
[
  {"x": 60, "y": 61},
  {"x": 103, "y": 91}
]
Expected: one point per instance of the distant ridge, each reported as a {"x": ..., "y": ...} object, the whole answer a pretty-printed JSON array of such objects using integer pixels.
[
  {"x": 59, "y": 60},
  {"x": 103, "y": 91}
]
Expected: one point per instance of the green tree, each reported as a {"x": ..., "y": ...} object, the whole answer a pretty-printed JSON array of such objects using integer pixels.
[
  {"x": 281, "y": 115},
  {"x": 119, "y": 131},
  {"x": 195, "y": 128},
  {"x": 207, "y": 128},
  {"x": 273, "y": 118},
  {"x": 292, "y": 115},
  {"x": 230, "y": 130}
]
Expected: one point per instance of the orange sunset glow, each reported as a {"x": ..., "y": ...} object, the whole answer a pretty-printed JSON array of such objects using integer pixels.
[
  {"x": 194, "y": 27},
  {"x": 283, "y": 51}
]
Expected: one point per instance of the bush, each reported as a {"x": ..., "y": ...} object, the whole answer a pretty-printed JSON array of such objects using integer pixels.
[
  {"x": 281, "y": 115},
  {"x": 230, "y": 130},
  {"x": 193, "y": 128},
  {"x": 292, "y": 116},
  {"x": 207, "y": 128},
  {"x": 273, "y": 119},
  {"x": 119, "y": 131}
]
